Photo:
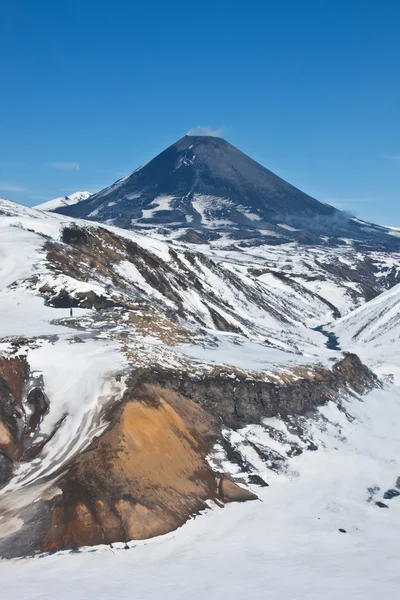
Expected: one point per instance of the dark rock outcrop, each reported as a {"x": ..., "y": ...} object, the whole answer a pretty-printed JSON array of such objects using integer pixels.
[
  {"x": 23, "y": 404},
  {"x": 6, "y": 468},
  {"x": 389, "y": 494},
  {"x": 240, "y": 400}
]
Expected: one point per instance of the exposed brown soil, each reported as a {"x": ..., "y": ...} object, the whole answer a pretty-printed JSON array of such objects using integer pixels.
[
  {"x": 13, "y": 375},
  {"x": 14, "y": 372},
  {"x": 148, "y": 473},
  {"x": 144, "y": 477},
  {"x": 159, "y": 326}
]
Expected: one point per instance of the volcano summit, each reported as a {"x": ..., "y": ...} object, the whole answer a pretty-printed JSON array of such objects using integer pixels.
[{"x": 209, "y": 189}]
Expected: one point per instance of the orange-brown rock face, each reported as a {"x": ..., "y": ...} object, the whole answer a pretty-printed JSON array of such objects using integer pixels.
[
  {"x": 14, "y": 372},
  {"x": 7, "y": 442},
  {"x": 145, "y": 476},
  {"x": 13, "y": 375},
  {"x": 23, "y": 405}
]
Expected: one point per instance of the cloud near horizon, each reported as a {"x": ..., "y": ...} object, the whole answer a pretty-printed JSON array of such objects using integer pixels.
[
  {"x": 10, "y": 187},
  {"x": 206, "y": 131},
  {"x": 93, "y": 189},
  {"x": 392, "y": 156},
  {"x": 66, "y": 166},
  {"x": 346, "y": 203}
]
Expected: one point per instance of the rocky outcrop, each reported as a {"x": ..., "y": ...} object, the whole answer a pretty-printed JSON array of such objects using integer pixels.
[
  {"x": 144, "y": 477},
  {"x": 64, "y": 299},
  {"x": 14, "y": 373},
  {"x": 125, "y": 274},
  {"x": 148, "y": 473},
  {"x": 239, "y": 400},
  {"x": 23, "y": 404}
]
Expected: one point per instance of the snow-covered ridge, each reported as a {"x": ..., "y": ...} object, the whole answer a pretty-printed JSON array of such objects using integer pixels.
[
  {"x": 374, "y": 319},
  {"x": 23, "y": 234},
  {"x": 251, "y": 290},
  {"x": 64, "y": 201},
  {"x": 373, "y": 331}
]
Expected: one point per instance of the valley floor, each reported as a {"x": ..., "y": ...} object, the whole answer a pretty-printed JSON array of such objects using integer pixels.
[{"x": 287, "y": 545}]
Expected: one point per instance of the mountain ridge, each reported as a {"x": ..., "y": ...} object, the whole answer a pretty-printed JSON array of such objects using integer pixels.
[
  {"x": 61, "y": 201},
  {"x": 204, "y": 184}
]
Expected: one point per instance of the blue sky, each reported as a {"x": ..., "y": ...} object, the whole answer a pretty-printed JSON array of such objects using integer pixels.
[{"x": 311, "y": 89}]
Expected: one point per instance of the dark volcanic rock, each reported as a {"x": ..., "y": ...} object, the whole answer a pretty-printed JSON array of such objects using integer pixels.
[
  {"x": 240, "y": 400},
  {"x": 257, "y": 480},
  {"x": 39, "y": 404},
  {"x": 23, "y": 405},
  {"x": 206, "y": 184},
  {"x": 28, "y": 540},
  {"x": 391, "y": 494},
  {"x": 6, "y": 468}
]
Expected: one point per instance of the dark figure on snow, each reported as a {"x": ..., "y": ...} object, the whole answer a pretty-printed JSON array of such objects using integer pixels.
[{"x": 70, "y": 312}]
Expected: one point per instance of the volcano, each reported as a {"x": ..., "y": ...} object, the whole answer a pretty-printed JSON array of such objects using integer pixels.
[{"x": 210, "y": 189}]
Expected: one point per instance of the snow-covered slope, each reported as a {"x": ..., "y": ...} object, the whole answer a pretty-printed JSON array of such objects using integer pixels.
[
  {"x": 64, "y": 201},
  {"x": 373, "y": 331},
  {"x": 225, "y": 330},
  {"x": 265, "y": 299},
  {"x": 233, "y": 304},
  {"x": 77, "y": 377},
  {"x": 271, "y": 297}
]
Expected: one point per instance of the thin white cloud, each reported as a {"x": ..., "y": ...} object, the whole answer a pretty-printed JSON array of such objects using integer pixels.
[
  {"x": 93, "y": 189},
  {"x": 346, "y": 202},
  {"x": 10, "y": 187},
  {"x": 66, "y": 166},
  {"x": 392, "y": 156},
  {"x": 206, "y": 131}
]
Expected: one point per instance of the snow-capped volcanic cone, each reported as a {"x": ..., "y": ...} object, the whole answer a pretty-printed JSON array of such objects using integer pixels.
[
  {"x": 206, "y": 185},
  {"x": 62, "y": 201}
]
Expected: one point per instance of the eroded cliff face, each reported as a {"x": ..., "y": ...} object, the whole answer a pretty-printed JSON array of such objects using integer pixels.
[
  {"x": 150, "y": 470},
  {"x": 238, "y": 399},
  {"x": 148, "y": 473},
  {"x": 144, "y": 477},
  {"x": 23, "y": 404},
  {"x": 13, "y": 375}
]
